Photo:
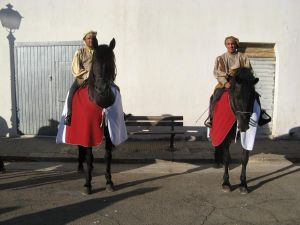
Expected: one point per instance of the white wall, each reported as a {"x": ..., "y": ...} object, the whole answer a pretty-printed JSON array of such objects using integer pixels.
[{"x": 166, "y": 49}]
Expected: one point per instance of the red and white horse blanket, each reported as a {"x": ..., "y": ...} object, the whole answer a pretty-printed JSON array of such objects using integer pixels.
[
  {"x": 87, "y": 126},
  {"x": 224, "y": 119}
]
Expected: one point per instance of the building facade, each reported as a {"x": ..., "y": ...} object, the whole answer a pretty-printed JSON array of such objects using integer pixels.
[{"x": 165, "y": 54}]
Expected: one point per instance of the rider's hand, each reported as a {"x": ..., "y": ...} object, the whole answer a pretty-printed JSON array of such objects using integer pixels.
[{"x": 227, "y": 85}]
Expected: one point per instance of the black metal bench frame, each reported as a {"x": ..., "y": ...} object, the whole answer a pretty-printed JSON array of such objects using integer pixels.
[{"x": 153, "y": 121}]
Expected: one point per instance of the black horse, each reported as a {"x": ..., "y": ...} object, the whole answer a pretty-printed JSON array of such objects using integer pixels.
[
  {"x": 100, "y": 81},
  {"x": 242, "y": 96}
]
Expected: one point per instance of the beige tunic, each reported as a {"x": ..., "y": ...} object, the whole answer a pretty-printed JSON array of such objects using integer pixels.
[
  {"x": 226, "y": 64},
  {"x": 82, "y": 63}
]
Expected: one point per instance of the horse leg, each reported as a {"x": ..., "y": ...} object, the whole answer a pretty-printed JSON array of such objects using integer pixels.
[
  {"x": 89, "y": 161},
  {"x": 218, "y": 157},
  {"x": 81, "y": 158},
  {"x": 108, "y": 158},
  {"x": 2, "y": 167},
  {"x": 243, "y": 184},
  {"x": 226, "y": 186}
]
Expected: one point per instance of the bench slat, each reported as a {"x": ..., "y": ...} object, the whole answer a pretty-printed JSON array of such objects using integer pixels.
[
  {"x": 155, "y": 118},
  {"x": 160, "y": 123},
  {"x": 158, "y": 132}
]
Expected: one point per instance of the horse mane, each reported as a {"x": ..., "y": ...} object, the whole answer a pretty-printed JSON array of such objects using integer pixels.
[{"x": 245, "y": 76}]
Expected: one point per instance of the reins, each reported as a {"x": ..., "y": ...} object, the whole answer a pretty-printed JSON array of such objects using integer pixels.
[{"x": 201, "y": 115}]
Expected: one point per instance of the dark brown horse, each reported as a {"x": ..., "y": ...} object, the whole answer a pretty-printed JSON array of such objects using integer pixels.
[
  {"x": 242, "y": 96},
  {"x": 100, "y": 81}
]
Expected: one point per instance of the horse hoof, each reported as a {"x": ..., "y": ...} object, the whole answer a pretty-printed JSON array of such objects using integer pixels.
[
  {"x": 110, "y": 187},
  {"x": 244, "y": 190},
  {"x": 88, "y": 190},
  {"x": 226, "y": 188}
]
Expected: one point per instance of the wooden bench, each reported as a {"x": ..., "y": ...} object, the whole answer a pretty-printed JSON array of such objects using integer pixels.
[{"x": 144, "y": 125}]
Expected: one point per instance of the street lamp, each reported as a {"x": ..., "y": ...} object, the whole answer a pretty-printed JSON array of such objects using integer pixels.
[{"x": 11, "y": 19}]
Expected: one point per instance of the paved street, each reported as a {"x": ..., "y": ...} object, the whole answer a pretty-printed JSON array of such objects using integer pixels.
[
  {"x": 45, "y": 149},
  {"x": 149, "y": 194}
]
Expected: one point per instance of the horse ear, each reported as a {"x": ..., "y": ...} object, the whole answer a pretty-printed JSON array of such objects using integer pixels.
[
  {"x": 256, "y": 80},
  {"x": 112, "y": 44},
  {"x": 95, "y": 42}
]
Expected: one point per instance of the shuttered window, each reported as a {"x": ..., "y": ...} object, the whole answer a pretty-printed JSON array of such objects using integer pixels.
[
  {"x": 263, "y": 61},
  {"x": 43, "y": 77}
]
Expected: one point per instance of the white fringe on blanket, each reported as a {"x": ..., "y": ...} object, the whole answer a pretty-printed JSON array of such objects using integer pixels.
[
  {"x": 114, "y": 119},
  {"x": 248, "y": 137}
]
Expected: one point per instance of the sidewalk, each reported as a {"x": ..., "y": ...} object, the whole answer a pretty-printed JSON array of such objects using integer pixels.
[{"x": 132, "y": 151}]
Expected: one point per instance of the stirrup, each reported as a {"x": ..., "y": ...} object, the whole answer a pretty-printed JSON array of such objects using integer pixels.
[
  {"x": 126, "y": 116},
  {"x": 68, "y": 120},
  {"x": 208, "y": 122},
  {"x": 264, "y": 118}
]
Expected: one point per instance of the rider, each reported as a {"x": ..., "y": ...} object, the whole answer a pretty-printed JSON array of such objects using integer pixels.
[
  {"x": 81, "y": 66},
  {"x": 225, "y": 67}
]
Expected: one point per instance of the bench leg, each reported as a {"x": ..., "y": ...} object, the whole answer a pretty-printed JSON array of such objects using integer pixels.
[{"x": 172, "y": 142}]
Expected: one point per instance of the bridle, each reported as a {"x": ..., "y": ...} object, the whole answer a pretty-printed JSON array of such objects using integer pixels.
[{"x": 237, "y": 111}]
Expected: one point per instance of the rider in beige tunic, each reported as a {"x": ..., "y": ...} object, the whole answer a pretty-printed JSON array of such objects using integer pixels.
[
  {"x": 81, "y": 65},
  {"x": 225, "y": 67}
]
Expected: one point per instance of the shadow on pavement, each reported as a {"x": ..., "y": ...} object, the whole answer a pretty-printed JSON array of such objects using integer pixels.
[
  {"x": 38, "y": 179},
  {"x": 68, "y": 213},
  {"x": 137, "y": 182},
  {"x": 264, "y": 180},
  {"x": 8, "y": 209}
]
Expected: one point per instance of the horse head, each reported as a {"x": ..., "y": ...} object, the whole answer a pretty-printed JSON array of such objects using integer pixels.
[
  {"x": 102, "y": 74},
  {"x": 242, "y": 96}
]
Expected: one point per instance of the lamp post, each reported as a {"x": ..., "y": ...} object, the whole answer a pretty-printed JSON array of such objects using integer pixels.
[{"x": 11, "y": 19}]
